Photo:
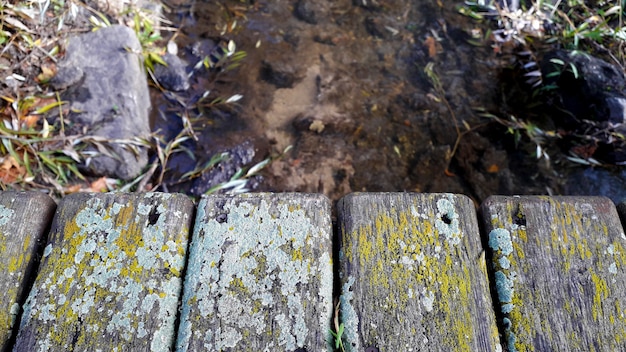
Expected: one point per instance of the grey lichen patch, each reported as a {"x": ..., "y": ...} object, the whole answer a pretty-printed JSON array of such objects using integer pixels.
[
  {"x": 6, "y": 214},
  {"x": 500, "y": 240},
  {"x": 447, "y": 222},
  {"x": 501, "y": 245},
  {"x": 259, "y": 274},
  {"x": 110, "y": 278}
]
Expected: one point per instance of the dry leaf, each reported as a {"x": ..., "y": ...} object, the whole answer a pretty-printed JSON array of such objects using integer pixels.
[
  {"x": 432, "y": 46},
  {"x": 72, "y": 189},
  {"x": 493, "y": 168},
  {"x": 99, "y": 185},
  {"x": 8, "y": 162},
  {"x": 10, "y": 170},
  {"x": 29, "y": 121}
]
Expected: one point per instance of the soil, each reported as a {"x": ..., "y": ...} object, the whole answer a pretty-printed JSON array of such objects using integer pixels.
[{"x": 344, "y": 84}]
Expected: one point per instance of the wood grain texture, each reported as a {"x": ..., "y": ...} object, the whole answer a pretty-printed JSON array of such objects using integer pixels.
[
  {"x": 413, "y": 275},
  {"x": 111, "y": 275},
  {"x": 559, "y": 272},
  {"x": 259, "y": 275},
  {"x": 24, "y": 220}
]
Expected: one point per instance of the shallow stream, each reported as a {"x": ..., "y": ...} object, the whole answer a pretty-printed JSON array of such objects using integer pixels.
[{"x": 344, "y": 83}]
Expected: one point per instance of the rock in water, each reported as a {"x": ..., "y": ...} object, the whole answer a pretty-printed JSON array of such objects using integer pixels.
[
  {"x": 108, "y": 95},
  {"x": 590, "y": 99},
  {"x": 173, "y": 76},
  {"x": 238, "y": 158}
]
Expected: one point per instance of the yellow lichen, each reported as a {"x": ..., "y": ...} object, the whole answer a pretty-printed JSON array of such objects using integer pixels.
[{"x": 600, "y": 293}]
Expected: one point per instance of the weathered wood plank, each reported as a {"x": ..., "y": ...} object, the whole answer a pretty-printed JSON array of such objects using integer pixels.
[
  {"x": 24, "y": 220},
  {"x": 110, "y": 277},
  {"x": 412, "y": 274},
  {"x": 558, "y": 265},
  {"x": 259, "y": 275}
]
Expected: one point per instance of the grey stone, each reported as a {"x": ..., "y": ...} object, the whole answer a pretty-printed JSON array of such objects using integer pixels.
[
  {"x": 586, "y": 91},
  {"x": 616, "y": 110},
  {"x": 238, "y": 157},
  {"x": 304, "y": 12},
  {"x": 279, "y": 74},
  {"x": 376, "y": 27},
  {"x": 108, "y": 95},
  {"x": 588, "y": 96},
  {"x": 173, "y": 76}
]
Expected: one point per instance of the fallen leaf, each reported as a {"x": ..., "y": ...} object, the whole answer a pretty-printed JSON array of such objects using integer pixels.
[
  {"x": 584, "y": 151},
  {"x": 29, "y": 121},
  {"x": 72, "y": 189},
  {"x": 8, "y": 162},
  {"x": 493, "y": 168},
  {"x": 11, "y": 170},
  {"x": 99, "y": 185},
  {"x": 432, "y": 46}
]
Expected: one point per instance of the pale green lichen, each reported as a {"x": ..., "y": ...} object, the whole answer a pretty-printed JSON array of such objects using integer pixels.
[
  {"x": 6, "y": 215},
  {"x": 504, "y": 262},
  {"x": 502, "y": 246},
  {"x": 251, "y": 274},
  {"x": 504, "y": 287},
  {"x": 108, "y": 274},
  {"x": 428, "y": 299},
  {"x": 500, "y": 240},
  {"x": 447, "y": 222},
  {"x": 510, "y": 336},
  {"x": 47, "y": 250}
]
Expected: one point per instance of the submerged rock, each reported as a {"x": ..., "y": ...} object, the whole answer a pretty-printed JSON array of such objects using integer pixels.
[
  {"x": 280, "y": 75},
  {"x": 173, "y": 76},
  {"x": 590, "y": 100},
  {"x": 108, "y": 95},
  {"x": 238, "y": 157},
  {"x": 303, "y": 10}
]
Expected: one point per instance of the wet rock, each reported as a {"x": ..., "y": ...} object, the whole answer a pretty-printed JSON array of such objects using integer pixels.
[
  {"x": 304, "y": 12},
  {"x": 202, "y": 48},
  {"x": 376, "y": 28},
  {"x": 593, "y": 94},
  {"x": 610, "y": 183},
  {"x": 594, "y": 88},
  {"x": 173, "y": 76},
  {"x": 238, "y": 157},
  {"x": 324, "y": 38},
  {"x": 108, "y": 95},
  {"x": 281, "y": 76}
]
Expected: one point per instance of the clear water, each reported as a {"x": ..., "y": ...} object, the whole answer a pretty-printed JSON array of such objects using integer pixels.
[{"x": 345, "y": 86}]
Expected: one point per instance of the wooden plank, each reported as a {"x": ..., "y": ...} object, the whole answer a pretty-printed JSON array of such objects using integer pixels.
[
  {"x": 558, "y": 271},
  {"x": 111, "y": 275},
  {"x": 24, "y": 220},
  {"x": 259, "y": 275},
  {"x": 413, "y": 275}
]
